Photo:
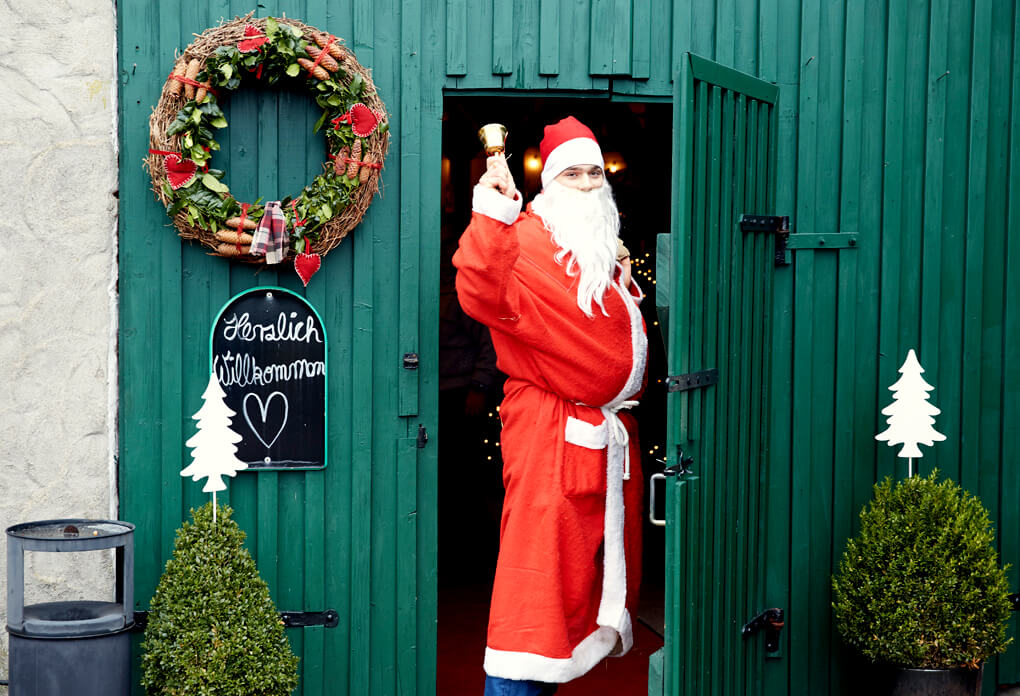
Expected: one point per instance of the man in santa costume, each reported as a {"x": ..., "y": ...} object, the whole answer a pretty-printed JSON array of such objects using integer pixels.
[{"x": 565, "y": 323}]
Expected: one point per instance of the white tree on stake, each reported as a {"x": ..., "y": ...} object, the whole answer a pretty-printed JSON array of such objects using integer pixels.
[
  {"x": 214, "y": 446},
  {"x": 911, "y": 415}
]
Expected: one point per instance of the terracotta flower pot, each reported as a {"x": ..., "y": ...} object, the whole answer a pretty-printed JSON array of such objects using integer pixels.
[{"x": 936, "y": 682}]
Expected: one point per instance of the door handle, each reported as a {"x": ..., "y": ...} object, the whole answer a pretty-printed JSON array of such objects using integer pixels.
[{"x": 651, "y": 500}]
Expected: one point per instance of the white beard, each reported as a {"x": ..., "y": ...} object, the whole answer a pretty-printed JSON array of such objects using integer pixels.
[{"x": 585, "y": 226}]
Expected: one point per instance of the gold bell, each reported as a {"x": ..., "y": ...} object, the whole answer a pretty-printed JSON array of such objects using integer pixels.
[{"x": 493, "y": 137}]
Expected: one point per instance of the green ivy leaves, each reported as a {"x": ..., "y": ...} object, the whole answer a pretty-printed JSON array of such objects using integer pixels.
[{"x": 207, "y": 202}]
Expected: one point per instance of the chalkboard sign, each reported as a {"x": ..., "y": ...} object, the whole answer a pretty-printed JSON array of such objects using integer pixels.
[{"x": 269, "y": 354}]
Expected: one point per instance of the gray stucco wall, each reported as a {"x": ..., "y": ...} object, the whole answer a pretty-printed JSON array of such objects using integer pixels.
[{"x": 58, "y": 209}]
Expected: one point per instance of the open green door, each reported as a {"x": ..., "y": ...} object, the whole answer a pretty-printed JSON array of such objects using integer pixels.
[{"x": 719, "y": 302}]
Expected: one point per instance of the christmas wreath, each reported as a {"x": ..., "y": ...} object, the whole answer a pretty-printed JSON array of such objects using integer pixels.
[{"x": 182, "y": 139}]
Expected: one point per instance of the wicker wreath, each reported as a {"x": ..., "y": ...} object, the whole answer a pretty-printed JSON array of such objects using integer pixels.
[{"x": 182, "y": 126}]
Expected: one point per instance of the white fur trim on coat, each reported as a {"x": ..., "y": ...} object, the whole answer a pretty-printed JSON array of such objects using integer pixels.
[
  {"x": 584, "y": 434},
  {"x": 638, "y": 344},
  {"x": 508, "y": 664},
  {"x": 571, "y": 153},
  {"x": 492, "y": 203}
]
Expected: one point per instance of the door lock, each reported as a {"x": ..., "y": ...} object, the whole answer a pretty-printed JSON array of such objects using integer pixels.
[{"x": 772, "y": 622}]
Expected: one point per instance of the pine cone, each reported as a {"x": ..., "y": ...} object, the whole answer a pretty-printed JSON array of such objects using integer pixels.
[
  {"x": 233, "y": 237},
  {"x": 335, "y": 49},
  {"x": 352, "y": 167},
  {"x": 177, "y": 85},
  {"x": 249, "y": 224},
  {"x": 317, "y": 71},
  {"x": 366, "y": 172},
  {"x": 231, "y": 250},
  {"x": 193, "y": 69},
  {"x": 326, "y": 62},
  {"x": 340, "y": 163}
]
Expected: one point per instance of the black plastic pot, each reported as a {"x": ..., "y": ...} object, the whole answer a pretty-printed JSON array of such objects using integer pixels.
[{"x": 936, "y": 682}]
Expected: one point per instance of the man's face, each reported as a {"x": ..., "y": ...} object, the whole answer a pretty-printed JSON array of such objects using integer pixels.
[{"x": 584, "y": 177}]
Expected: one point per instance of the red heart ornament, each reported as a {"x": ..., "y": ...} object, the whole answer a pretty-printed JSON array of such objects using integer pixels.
[
  {"x": 363, "y": 120},
  {"x": 252, "y": 40},
  {"x": 306, "y": 265},
  {"x": 179, "y": 172}
]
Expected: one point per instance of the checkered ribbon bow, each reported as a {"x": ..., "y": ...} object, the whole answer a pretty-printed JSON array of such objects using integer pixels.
[{"x": 270, "y": 238}]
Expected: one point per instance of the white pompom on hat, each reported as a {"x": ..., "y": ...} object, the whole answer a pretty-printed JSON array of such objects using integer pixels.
[{"x": 566, "y": 144}]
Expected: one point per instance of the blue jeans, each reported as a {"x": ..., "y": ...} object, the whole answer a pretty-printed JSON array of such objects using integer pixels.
[{"x": 497, "y": 686}]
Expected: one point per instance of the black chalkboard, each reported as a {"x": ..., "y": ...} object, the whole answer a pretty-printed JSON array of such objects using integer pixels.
[{"x": 269, "y": 354}]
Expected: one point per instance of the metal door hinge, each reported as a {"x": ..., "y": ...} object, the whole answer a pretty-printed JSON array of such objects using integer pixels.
[
  {"x": 778, "y": 225},
  {"x": 291, "y": 619},
  {"x": 772, "y": 622},
  {"x": 302, "y": 619},
  {"x": 693, "y": 380},
  {"x": 423, "y": 437}
]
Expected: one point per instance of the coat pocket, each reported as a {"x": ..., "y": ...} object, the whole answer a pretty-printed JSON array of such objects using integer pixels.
[{"x": 584, "y": 458}]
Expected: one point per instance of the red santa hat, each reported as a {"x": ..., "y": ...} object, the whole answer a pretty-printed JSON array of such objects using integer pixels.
[{"x": 567, "y": 144}]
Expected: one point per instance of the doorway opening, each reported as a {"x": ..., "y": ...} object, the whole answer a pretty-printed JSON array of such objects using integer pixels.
[{"x": 636, "y": 142}]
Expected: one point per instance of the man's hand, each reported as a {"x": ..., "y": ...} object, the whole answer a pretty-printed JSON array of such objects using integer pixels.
[
  {"x": 497, "y": 176},
  {"x": 625, "y": 272}
]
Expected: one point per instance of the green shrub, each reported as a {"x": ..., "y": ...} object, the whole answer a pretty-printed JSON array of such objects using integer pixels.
[
  {"x": 920, "y": 585},
  {"x": 213, "y": 629}
]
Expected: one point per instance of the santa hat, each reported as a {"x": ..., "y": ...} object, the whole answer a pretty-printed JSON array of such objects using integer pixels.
[{"x": 567, "y": 144}]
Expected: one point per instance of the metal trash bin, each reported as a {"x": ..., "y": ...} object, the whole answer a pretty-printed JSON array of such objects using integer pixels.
[{"x": 79, "y": 648}]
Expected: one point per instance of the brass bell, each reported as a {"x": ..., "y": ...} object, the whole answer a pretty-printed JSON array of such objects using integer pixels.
[{"x": 493, "y": 137}]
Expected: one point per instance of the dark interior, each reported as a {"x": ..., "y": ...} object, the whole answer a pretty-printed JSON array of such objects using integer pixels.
[{"x": 633, "y": 138}]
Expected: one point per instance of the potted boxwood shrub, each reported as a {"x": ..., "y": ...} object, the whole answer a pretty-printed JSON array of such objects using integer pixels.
[
  {"x": 920, "y": 588},
  {"x": 212, "y": 628}
]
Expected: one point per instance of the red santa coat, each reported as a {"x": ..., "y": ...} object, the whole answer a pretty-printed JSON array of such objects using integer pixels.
[{"x": 569, "y": 557}]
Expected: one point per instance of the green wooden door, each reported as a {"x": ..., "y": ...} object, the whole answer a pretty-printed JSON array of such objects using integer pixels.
[
  {"x": 359, "y": 535},
  {"x": 720, "y": 289}
]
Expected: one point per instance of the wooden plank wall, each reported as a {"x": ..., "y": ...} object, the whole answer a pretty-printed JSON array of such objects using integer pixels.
[
  {"x": 898, "y": 123},
  {"x": 350, "y": 537},
  {"x": 557, "y": 45}
]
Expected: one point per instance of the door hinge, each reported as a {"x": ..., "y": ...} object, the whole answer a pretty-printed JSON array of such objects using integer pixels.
[
  {"x": 772, "y": 622},
  {"x": 291, "y": 619},
  {"x": 692, "y": 380},
  {"x": 301, "y": 619},
  {"x": 778, "y": 225},
  {"x": 423, "y": 437}
]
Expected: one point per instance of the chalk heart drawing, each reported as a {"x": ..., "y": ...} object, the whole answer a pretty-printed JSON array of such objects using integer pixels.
[{"x": 262, "y": 412}]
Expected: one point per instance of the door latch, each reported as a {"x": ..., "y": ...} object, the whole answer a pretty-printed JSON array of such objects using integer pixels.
[
  {"x": 683, "y": 464},
  {"x": 778, "y": 225},
  {"x": 692, "y": 380},
  {"x": 772, "y": 622}
]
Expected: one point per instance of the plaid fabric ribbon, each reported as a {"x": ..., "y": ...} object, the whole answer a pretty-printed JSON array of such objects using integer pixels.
[{"x": 270, "y": 238}]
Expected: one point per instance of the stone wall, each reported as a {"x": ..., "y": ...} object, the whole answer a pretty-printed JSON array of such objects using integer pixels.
[{"x": 58, "y": 214}]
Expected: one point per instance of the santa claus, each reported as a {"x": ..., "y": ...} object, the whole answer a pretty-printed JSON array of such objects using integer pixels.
[{"x": 565, "y": 323}]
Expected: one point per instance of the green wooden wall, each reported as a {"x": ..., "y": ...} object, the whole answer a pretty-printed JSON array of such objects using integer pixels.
[
  {"x": 359, "y": 536},
  {"x": 896, "y": 123}
]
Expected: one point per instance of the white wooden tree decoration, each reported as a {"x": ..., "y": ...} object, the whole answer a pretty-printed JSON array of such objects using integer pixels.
[
  {"x": 911, "y": 415},
  {"x": 214, "y": 446}
]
